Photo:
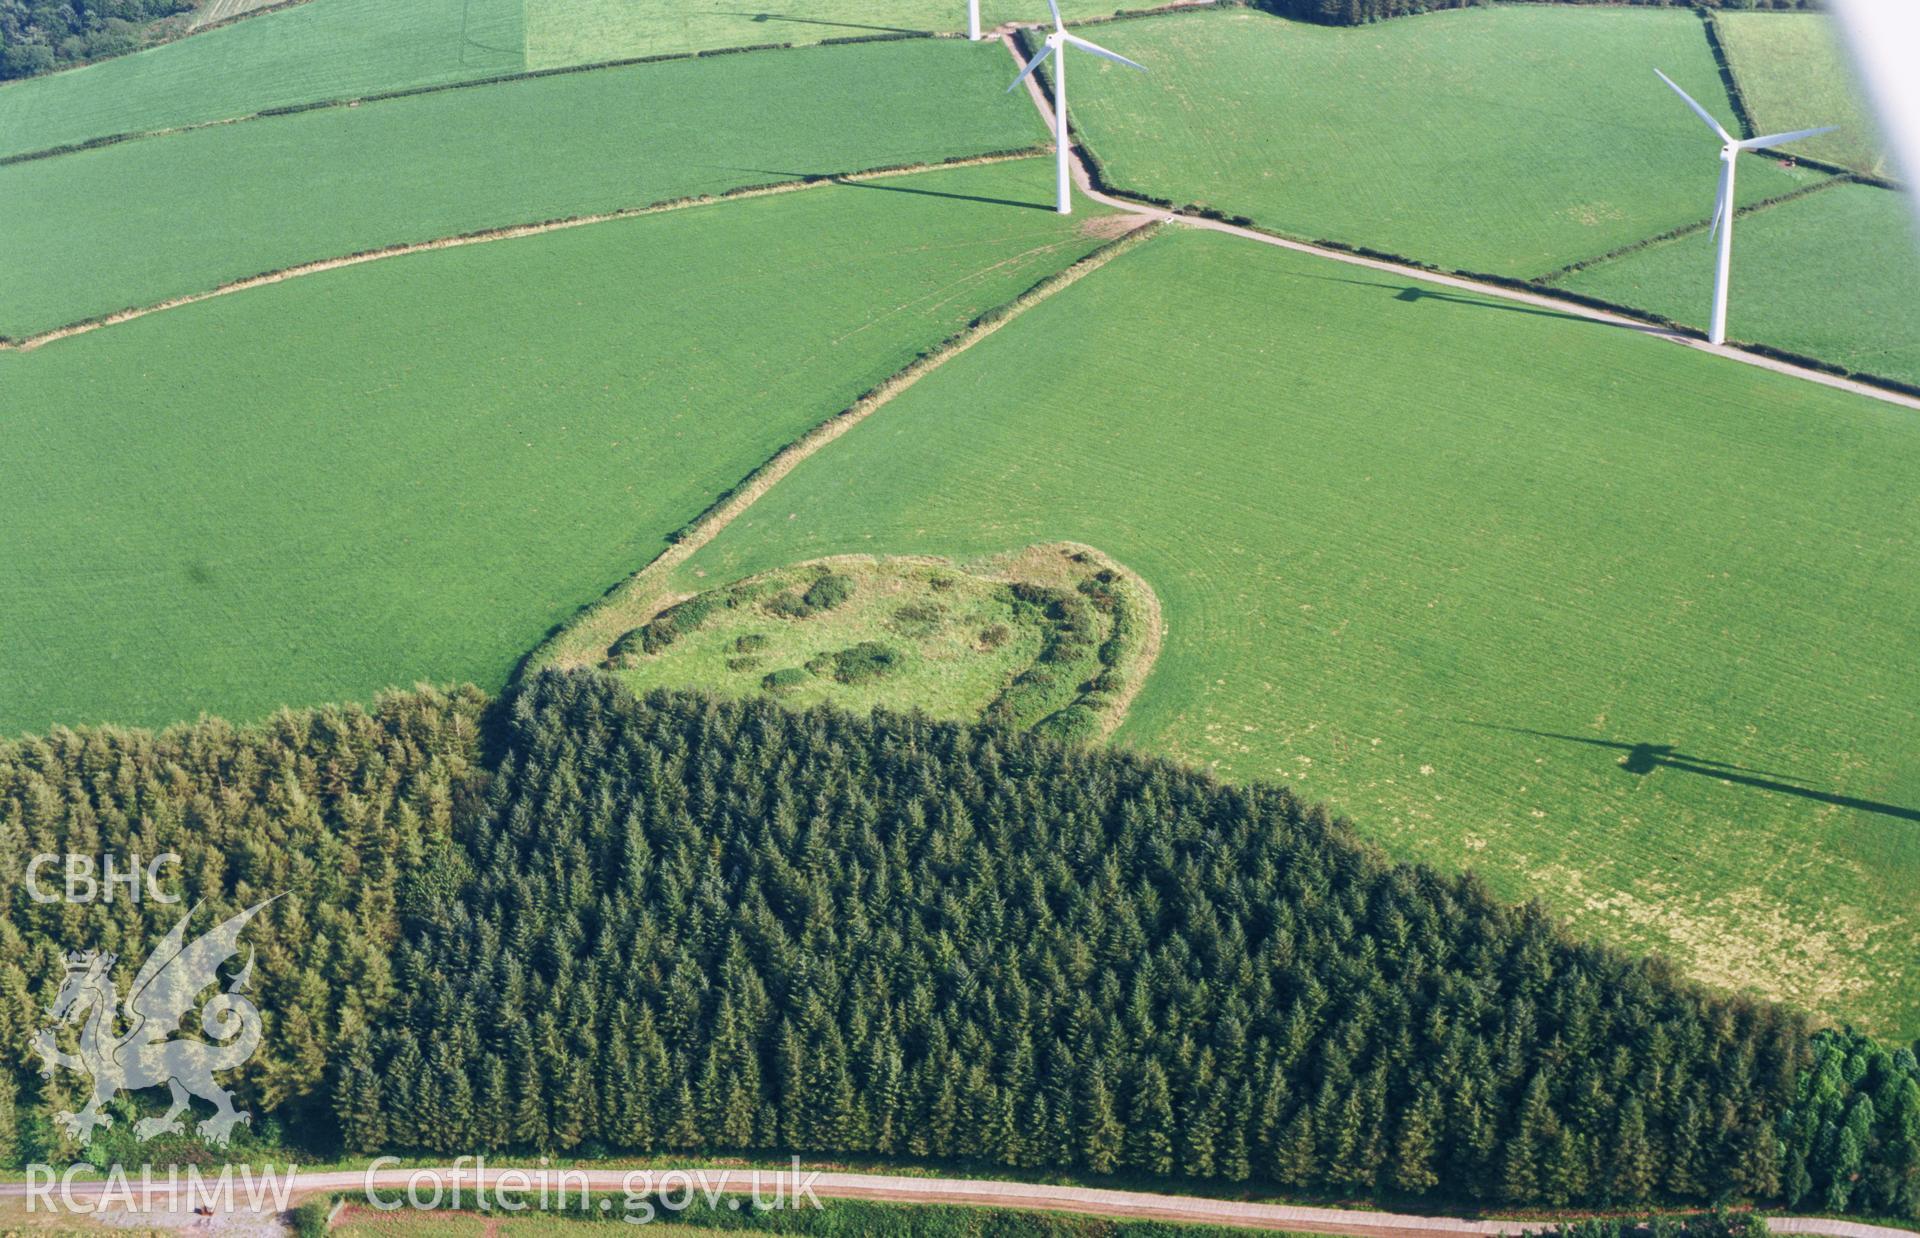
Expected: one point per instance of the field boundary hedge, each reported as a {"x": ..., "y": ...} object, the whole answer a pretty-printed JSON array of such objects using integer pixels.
[
  {"x": 434, "y": 88},
  {"x": 502, "y": 232},
  {"x": 1688, "y": 229},
  {"x": 632, "y": 601},
  {"x": 1742, "y": 116},
  {"x": 1637, "y": 314},
  {"x": 1103, "y": 183}
]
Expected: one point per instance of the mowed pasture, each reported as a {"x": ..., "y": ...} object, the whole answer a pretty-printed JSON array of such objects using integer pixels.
[
  {"x": 1833, "y": 275},
  {"x": 347, "y": 49},
  {"x": 1620, "y": 624},
  {"x": 1794, "y": 74},
  {"x": 413, "y": 469},
  {"x": 1508, "y": 140},
  {"x": 322, "y": 49},
  {"x": 139, "y": 223},
  {"x": 563, "y": 32}
]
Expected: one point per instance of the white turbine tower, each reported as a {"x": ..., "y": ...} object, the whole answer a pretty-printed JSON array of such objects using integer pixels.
[
  {"x": 1057, "y": 42},
  {"x": 973, "y": 20},
  {"x": 1723, "y": 206}
]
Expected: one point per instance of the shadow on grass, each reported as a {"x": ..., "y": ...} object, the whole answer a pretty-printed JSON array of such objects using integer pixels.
[
  {"x": 884, "y": 187},
  {"x": 1413, "y": 293},
  {"x": 1643, "y": 759},
  {"x": 815, "y": 21}
]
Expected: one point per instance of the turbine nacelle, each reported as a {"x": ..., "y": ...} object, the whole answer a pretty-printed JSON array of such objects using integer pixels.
[{"x": 1058, "y": 42}]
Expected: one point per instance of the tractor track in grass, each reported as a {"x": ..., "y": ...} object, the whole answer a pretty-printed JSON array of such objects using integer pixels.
[
  {"x": 508, "y": 232},
  {"x": 1083, "y": 180},
  {"x": 795, "y": 1185}
]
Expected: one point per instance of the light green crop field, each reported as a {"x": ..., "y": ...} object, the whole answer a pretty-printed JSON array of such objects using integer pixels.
[
  {"x": 323, "y": 49},
  {"x": 1794, "y": 75},
  {"x": 563, "y": 32},
  {"x": 413, "y": 469},
  {"x": 1833, "y": 275},
  {"x": 1623, "y": 625},
  {"x": 1507, "y": 140},
  {"x": 139, "y": 223},
  {"x": 346, "y": 49}
]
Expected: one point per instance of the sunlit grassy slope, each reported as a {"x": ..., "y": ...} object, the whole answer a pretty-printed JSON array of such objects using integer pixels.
[
  {"x": 135, "y": 224},
  {"x": 345, "y": 49},
  {"x": 412, "y": 469},
  {"x": 573, "y": 31},
  {"x": 1833, "y": 275},
  {"x": 1508, "y": 140},
  {"x": 1794, "y": 75},
  {"x": 323, "y": 49},
  {"x": 1623, "y": 625}
]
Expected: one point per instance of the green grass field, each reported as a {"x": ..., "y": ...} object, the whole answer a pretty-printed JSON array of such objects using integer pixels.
[
  {"x": 412, "y": 469},
  {"x": 579, "y": 31},
  {"x": 136, "y": 224},
  {"x": 323, "y": 49},
  {"x": 1507, "y": 140},
  {"x": 1833, "y": 275},
  {"x": 1448, "y": 563},
  {"x": 345, "y": 49},
  {"x": 1794, "y": 75}
]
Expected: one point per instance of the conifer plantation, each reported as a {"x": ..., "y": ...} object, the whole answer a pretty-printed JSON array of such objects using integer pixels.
[{"x": 587, "y": 922}]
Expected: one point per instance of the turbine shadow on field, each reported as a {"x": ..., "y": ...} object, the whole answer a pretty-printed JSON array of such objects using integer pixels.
[
  {"x": 1413, "y": 293},
  {"x": 847, "y": 183},
  {"x": 815, "y": 21},
  {"x": 1643, "y": 759}
]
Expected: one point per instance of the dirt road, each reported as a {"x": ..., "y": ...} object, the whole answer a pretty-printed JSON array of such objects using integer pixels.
[{"x": 1023, "y": 1196}]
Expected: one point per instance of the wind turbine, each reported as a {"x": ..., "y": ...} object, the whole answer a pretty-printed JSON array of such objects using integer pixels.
[
  {"x": 973, "y": 20},
  {"x": 1058, "y": 42},
  {"x": 1723, "y": 206}
]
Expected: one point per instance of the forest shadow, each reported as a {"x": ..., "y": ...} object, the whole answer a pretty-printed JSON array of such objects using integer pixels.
[{"x": 1641, "y": 760}]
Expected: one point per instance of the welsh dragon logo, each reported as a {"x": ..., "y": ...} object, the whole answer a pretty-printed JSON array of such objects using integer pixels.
[{"x": 146, "y": 1055}]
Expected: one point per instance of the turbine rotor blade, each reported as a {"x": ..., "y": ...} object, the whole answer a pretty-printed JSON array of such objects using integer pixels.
[
  {"x": 1031, "y": 66},
  {"x": 1098, "y": 50},
  {"x": 1699, "y": 111},
  {"x": 1057, "y": 23},
  {"x": 1775, "y": 139},
  {"x": 1720, "y": 207}
]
